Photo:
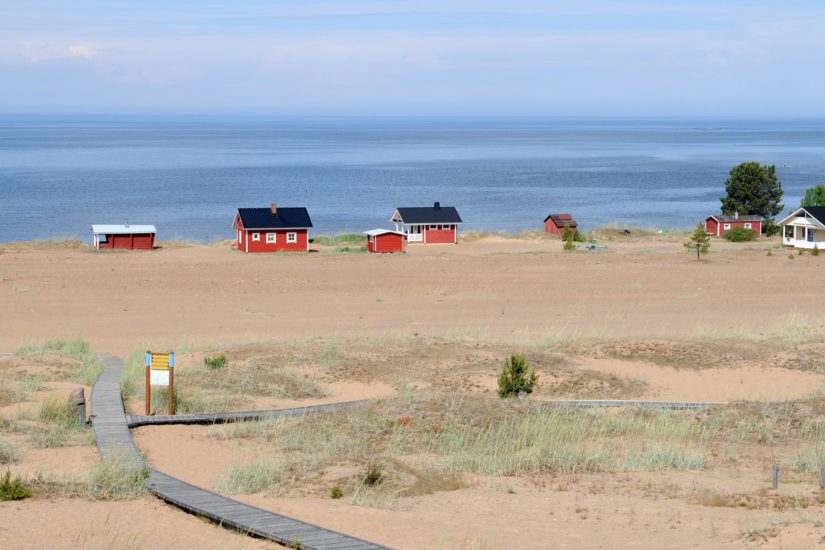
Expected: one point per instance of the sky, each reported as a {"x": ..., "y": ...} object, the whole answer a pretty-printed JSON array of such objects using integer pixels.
[{"x": 413, "y": 58}]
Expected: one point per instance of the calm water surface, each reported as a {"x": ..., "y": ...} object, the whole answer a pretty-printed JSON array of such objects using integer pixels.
[{"x": 58, "y": 175}]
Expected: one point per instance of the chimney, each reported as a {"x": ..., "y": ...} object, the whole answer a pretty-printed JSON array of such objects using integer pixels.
[
  {"x": 437, "y": 205},
  {"x": 274, "y": 208},
  {"x": 126, "y": 222},
  {"x": 736, "y": 215}
]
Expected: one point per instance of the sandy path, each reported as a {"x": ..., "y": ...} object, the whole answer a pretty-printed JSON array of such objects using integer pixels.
[{"x": 728, "y": 384}]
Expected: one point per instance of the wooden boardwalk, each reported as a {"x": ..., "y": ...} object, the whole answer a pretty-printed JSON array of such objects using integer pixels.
[
  {"x": 135, "y": 421},
  {"x": 113, "y": 438},
  {"x": 676, "y": 405}
]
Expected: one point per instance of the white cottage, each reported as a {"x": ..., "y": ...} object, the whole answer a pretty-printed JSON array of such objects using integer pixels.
[{"x": 804, "y": 228}]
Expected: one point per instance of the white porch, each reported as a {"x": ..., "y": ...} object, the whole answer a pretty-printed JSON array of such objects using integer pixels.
[
  {"x": 803, "y": 232},
  {"x": 413, "y": 231}
]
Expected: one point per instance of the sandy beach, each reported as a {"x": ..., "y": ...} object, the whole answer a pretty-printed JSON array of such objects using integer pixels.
[{"x": 642, "y": 320}]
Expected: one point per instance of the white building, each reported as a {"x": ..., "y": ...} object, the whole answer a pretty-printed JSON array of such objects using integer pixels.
[{"x": 804, "y": 228}]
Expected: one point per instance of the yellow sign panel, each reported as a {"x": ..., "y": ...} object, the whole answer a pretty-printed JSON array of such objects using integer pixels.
[{"x": 160, "y": 361}]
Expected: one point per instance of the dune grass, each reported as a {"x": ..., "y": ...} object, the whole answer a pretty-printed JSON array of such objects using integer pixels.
[
  {"x": 55, "y": 425},
  {"x": 90, "y": 365},
  {"x": 113, "y": 478},
  {"x": 339, "y": 239},
  {"x": 8, "y": 452}
]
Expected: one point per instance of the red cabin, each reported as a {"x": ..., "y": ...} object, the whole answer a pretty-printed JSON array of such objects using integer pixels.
[
  {"x": 555, "y": 223},
  {"x": 125, "y": 237},
  {"x": 385, "y": 241},
  {"x": 428, "y": 225},
  {"x": 273, "y": 229},
  {"x": 719, "y": 225}
]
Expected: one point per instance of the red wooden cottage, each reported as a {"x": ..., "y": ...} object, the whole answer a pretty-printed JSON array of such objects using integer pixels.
[
  {"x": 555, "y": 223},
  {"x": 428, "y": 225},
  {"x": 719, "y": 225},
  {"x": 128, "y": 237},
  {"x": 273, "y": 229},
  {"x": 385, "y": 241}
]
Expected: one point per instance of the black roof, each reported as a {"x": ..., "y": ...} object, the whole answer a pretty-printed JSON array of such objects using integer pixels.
[
  {"x": 817, "y": 212},
  {"x": 429, "y": 214},
  {"x": 284, "y": 218}
]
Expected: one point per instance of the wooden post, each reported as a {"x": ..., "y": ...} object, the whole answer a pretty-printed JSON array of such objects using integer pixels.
[
  {"x": 148, "y": 387},
  {"x": 822, "y": 478},
  {"x": 171, "y": 399},
  {"x": 775, "y": 476}
]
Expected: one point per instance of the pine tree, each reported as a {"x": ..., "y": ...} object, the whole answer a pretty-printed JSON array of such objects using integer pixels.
[
  {"x": 699, "y": 240},
  {"x": 754, "y": 189}
]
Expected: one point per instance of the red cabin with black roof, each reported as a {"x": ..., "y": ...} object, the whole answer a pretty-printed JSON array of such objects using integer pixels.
[
  {"x": 428, "y": 225},
  {"x": 555, "y": 223},
  {"x": 273, "y": 229},
  {"x": 719, "y": 225}
]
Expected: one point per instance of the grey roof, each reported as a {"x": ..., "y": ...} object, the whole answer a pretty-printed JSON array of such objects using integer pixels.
[
  {"x": 726, "y": 219},
  {"x": 429, "y": 214},
  {"x": 376, "y": 232},
  {"x": 102, "y": 229},
  {"x": 284, "y": 218}
]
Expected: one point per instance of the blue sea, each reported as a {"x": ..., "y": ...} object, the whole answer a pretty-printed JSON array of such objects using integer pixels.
[{"x": 187, "y": 175}]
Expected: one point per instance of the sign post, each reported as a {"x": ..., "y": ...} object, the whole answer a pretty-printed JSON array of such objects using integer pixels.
[{"x": 160, "y": 371}]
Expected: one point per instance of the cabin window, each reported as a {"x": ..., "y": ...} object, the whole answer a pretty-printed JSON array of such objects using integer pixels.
[
  {"x": 433, "y": 226},
  {"x": 810, "y": 235},
  {"x": 102, "y": 239},
  {"x": 270, "y": 238},
  {"x": 726, "y": 226},
  {"x": 747, "y": 226},
  {"x": 789, "y": 232},
  {"x": 292, "y": 237},
  {"x": 256, "y": 237}
]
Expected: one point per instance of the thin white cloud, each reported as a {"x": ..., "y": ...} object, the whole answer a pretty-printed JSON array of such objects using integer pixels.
[{"x": 37, "y": 52}]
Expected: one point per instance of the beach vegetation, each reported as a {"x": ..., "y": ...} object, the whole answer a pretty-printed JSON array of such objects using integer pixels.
[
  {"x": 12, "y": 488},
  {"x": 740, "y": 235},
  {"x": 336, "y": 492},
  {"x": 212, "y": 362},
  {"x": 754, "y": 189},
  {"x": 699, "y": 241},
  {"x": 8, "y": 452},
  {"x": 569, "y": 245},
  {"x": 85, "y": 365},
  {"x": 814, "y": 196},
  {"x": 517, "y": 378},
  {"x": 569, "y": 232},
  {"x": 815, "y": 250}
]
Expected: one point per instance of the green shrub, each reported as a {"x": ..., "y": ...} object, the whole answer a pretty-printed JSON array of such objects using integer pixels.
[
  {"x": 215, "y": 362},
  {"x": 568, "y": 243},
  {"x": 740, "y": 235},
  {"x": 569, "y": 233},
  {"x": 800, "y": 252},
  {"x": 12, "y": 489},
  {"x": 815, "y": 251},
  {"x": 336, "y": 493},
  {"x": 791, "y": 256},
  {"x": 516, "y": 377},
  {"x": 769, "y": 253}
]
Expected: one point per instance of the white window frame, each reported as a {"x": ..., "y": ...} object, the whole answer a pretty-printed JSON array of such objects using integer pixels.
[
  {"x": 726, "y": 226},
  {"x": 270, "y": 237},
  {"x": 292, "y": 237},
  {"x": 747, "y": 226},
  {"x": 240, "y": 235},
  {"x": 256, "y": 237},
  {"x": 433, "y": 226}
]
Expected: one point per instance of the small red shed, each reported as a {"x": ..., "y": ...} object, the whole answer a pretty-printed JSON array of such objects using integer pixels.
[
  {"x": 719, "y": 225},
  {"x": 273, "y": 229},
  {"x": 555, "y": 223},
  {"x": 126, "y": 237},
  {"x": 385, "y": 241}
]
